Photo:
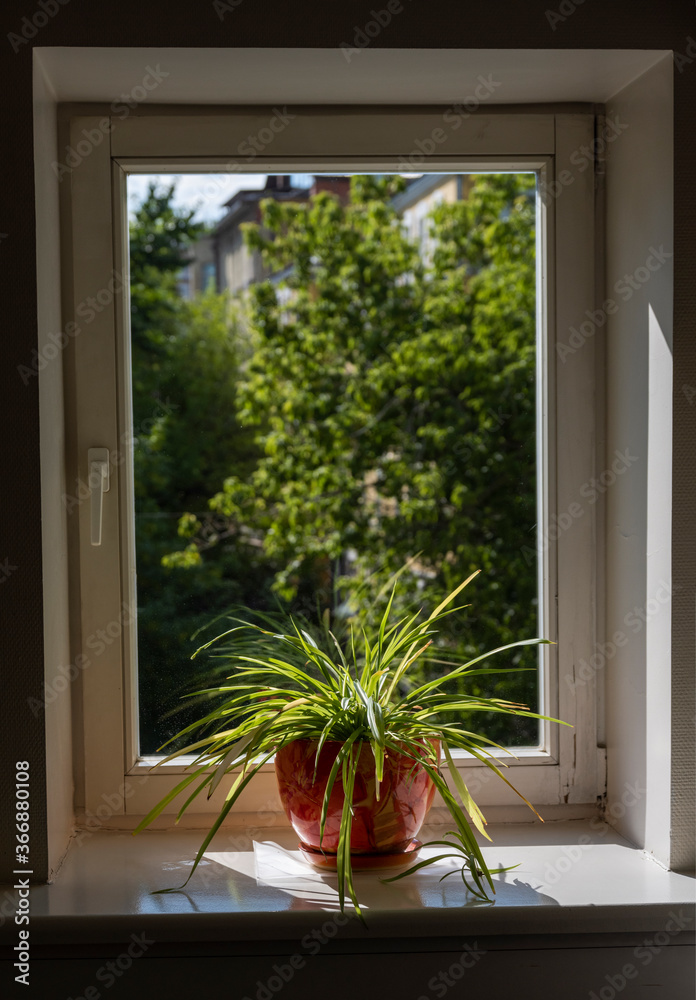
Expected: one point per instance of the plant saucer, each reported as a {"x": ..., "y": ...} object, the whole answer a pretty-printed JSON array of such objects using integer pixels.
[{"x": 362, "y": 862}]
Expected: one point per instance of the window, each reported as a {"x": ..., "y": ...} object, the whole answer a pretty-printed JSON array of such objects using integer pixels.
[
  {"x": 405, "y": 433},
  {"x": 566, "y": 766}
]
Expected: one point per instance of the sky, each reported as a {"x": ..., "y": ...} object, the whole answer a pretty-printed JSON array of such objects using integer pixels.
[{"x": 207, "y": 191}]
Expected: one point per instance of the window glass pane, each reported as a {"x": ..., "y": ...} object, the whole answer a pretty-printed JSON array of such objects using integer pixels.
[{"x": 333, "y": 376}]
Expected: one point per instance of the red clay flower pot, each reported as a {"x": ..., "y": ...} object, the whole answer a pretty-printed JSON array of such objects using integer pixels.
[{"x": 384, "y": 827}]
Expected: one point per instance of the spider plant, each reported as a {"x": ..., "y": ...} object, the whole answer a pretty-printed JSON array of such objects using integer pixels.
[
  {"x": 296, "y": 684},
  {"x": 459, "y": 850}
]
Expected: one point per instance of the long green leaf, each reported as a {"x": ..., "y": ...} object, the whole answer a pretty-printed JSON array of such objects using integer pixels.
[
  {"x": 163, "y": 803},
  {"x": 340, "y": 756},
  {"x": 473, "y": 810},
  {"x": 439, "y": 681},
  {"x": 229, "y": 802}
]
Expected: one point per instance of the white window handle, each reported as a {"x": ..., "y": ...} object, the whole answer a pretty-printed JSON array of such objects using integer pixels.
[{"x": 98, "y": 462}]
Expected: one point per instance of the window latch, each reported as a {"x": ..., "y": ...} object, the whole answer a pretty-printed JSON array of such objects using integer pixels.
[{"x": 98, "y": 462}]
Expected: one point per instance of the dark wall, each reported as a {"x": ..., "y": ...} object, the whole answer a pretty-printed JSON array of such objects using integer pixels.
[{"x": 648, "y": 24}]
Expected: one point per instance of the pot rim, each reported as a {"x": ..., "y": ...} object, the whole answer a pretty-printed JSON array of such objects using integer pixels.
[{"x": 435, "y": 741}]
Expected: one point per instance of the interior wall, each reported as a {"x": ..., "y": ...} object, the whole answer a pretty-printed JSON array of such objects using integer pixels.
[
  {"x": 638, "y": 279},
  {"x": 683, "y": 638},
  {"x": 55, "y": 706}
]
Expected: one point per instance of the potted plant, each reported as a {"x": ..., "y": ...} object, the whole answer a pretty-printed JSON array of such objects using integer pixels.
[{"x": 358, "y": 749}]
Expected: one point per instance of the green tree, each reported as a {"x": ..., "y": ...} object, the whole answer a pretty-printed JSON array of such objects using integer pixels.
[
  {"x": 187, "y": 436},
  {"x": 394, "y": 406},
  {"x": 160, "y": 237}
]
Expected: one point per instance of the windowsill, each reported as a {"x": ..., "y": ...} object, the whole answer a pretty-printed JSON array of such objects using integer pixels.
[{"x": 605, "y": 887}]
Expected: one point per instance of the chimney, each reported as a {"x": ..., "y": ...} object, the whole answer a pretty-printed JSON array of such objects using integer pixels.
[
  {"x": 278, "y": 182},
  {"x": 339, "y": 186}
]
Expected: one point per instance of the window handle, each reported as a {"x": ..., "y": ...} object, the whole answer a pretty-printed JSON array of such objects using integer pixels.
[{"x": 98, "y": 461}]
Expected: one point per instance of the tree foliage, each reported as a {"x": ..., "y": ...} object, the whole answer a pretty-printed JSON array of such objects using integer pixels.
[
  {"x": 187, "y": 435},
  {"x": 393, "y": 405}
]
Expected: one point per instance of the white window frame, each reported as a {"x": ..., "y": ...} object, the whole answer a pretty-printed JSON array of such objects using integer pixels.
[{"x": 566, "y": 774}]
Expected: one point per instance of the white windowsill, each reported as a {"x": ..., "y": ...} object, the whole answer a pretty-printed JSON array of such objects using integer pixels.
[{"x": 604, "y": 888}]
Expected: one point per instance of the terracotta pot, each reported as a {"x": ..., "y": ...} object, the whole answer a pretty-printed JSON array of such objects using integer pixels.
[{"x": 384, "y": 827}]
